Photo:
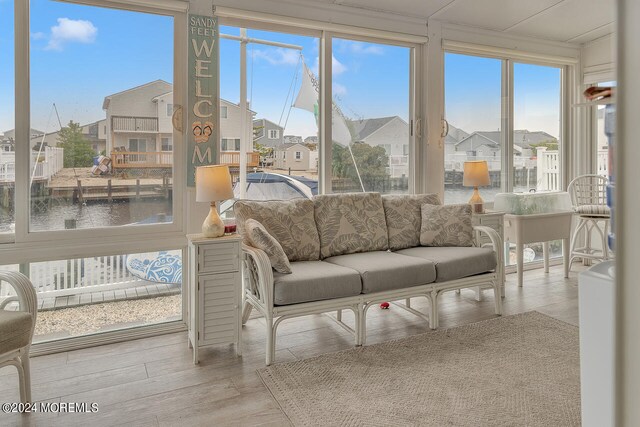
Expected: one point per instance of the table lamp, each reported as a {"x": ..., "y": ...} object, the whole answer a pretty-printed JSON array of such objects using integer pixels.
[
  {"x": 476, "y": 174},
  {"x": 213, "y": 184}
]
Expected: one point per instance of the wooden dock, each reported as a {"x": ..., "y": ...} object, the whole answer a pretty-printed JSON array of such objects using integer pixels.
[{"x": 80, "y": 185}]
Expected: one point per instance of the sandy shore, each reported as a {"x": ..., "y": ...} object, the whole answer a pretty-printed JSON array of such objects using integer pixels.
[{"x": 92, "y": 318}]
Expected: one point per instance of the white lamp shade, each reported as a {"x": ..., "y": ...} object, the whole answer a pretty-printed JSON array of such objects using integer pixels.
[
  {"x": 213, "y": 183},
  {"x": 476, "y": 174}
]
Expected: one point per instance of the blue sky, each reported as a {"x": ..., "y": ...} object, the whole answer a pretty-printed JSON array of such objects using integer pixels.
[
  {"x": 473, "y": 94},
  {"x": 80, "y": 54},
  {"x": 76, "y": 66},
  {"x": 369, "y": 80}
]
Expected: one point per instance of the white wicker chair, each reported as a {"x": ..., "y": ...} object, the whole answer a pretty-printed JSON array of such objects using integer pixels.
[
  {"x": 16, "y": 328},
  {"x": 589, "y": 198}
]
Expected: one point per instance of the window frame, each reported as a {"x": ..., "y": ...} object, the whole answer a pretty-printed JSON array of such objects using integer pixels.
[
  {"x": 225, "y": 142},
  {"x": 507, "y": 110},
  {"x": 67, "y": 241},
  {"x": 326, "y": 32}
]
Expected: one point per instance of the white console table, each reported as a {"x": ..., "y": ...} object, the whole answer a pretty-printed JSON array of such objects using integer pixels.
[
  {"x": 215, "y": 292},
  {"x": 535, "y": 228}
]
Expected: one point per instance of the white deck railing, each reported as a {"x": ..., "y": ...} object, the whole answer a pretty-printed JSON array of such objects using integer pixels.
[
  {"x": 79, "y": 273},
  {"x": 44, "y": 165},
  {"x": 76, "y": 275},
  {"x": 549, "y": 168}
]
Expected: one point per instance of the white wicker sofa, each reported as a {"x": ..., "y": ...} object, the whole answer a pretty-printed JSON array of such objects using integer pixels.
[{"x": 353, "y": 251}]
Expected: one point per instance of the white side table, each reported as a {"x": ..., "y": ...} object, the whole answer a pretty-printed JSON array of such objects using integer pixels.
[
  {"x": 494, "y": 220},
  {"x": 534, "y": 228},
  {"x": 215, "y": 292}
]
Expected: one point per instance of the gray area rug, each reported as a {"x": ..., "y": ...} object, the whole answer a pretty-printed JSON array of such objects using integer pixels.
[{"x": 520, "y": 370}]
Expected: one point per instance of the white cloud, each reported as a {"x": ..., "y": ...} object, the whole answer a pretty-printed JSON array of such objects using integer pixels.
[
  {"x": 278, "y": 56},
  {"x": 339, "y": 89},
  {"x": 337, "y": 67},
  {"x": 365, "y": 48},
  {"x": 70, "y": 31},
  {"x": 38, "y": 36}
]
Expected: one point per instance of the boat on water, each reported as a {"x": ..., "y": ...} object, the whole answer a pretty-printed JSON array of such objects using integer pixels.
[{"x": 166, "y": 266}]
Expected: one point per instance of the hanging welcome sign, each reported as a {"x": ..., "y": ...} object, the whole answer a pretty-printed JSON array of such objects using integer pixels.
[{"x": 204, "y": 99}]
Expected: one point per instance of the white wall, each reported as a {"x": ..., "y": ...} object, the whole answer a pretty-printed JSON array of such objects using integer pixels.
[
  {"x": 598, "y": 59},
  {"x": 626, "y": 216},
  {"x": 165, "y": 124}
]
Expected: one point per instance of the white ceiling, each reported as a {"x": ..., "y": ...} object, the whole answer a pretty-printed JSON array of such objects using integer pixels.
[{"x": 574, "y": 21}]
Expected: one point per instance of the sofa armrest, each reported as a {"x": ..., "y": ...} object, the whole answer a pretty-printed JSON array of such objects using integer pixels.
[
  {"x": 258, "y": 277},
  {"x": 497, "y": 244}
]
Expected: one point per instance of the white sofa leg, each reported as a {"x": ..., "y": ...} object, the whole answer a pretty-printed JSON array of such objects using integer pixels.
[
  {"x": 497, "y": 296},
  {"x": 433, "y": 314},
  {"x": 21, "y": 380},
  {"x": 26, "y": 365},
  {"x": 339, "y": 315},
  {"x": 246, "y": 311},
  {"x": 271, "y": 342},
  {"x": 358, "y": 323}
]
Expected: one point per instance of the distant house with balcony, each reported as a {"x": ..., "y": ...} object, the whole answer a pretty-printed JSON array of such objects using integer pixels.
[
  {"x": 295, "y": 157},
  {"x": 267, "y": 133},
  {"x": 486, "y": 145},
  {"x": 8, "y": 139},
  {"x": 94, "y": 133},
  {"x": 139, "y": 130},
  {"x": 391, "y": 133}
]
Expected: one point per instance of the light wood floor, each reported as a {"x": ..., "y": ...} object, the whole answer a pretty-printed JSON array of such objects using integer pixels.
[{"x": 152, "y": 381}]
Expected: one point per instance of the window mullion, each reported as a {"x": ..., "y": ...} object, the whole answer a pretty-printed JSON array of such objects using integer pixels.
[
  {"x": 22, "y": 119},
  {"x": 325, "y": 101},
  {"x": 507, "y": 126}
]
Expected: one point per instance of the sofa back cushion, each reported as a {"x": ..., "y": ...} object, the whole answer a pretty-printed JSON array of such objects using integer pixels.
[
  {"x": 350, "y": 222},
  {"x": 404, "y": 217},
  {"x": 448, "y": 225},
  {"x": 290, "y": 222}
]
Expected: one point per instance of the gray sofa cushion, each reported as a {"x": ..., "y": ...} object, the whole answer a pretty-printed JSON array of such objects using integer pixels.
[
  {"x": 455, "y": 263},
  {"x": 261, "y": 239},
  {"x": 448, "y": 225},
  {"x": 314, "y": 281},
  {"x": 349, "y": 223},
  {"x": 290, "y": 222},
  {"x": 381, "y": 271},
  {"x": 404, "y": 217},
  {"x": 16, "y": 330}
]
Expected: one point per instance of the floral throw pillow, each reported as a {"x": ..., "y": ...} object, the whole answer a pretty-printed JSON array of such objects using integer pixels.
[
  {"x": 261, "y": 239},
  {"x": 446, "y": 225}
]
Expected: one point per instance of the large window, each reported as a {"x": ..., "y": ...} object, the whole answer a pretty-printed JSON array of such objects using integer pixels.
[
  {"x": 279, "y": 92},
  {"x": 483, "y": 97},
  {"x": 370, "y": 120},
  {"x": 473, "y": 95},
  {"x": 537, "y": 162},
  {"x": 89, "y": 169},
  {"x": 83, "y": 296},
  {"x": 370, "y": 113},
  {"x": 7, "y": 123},
  {"x": 116, "y": 74}
]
